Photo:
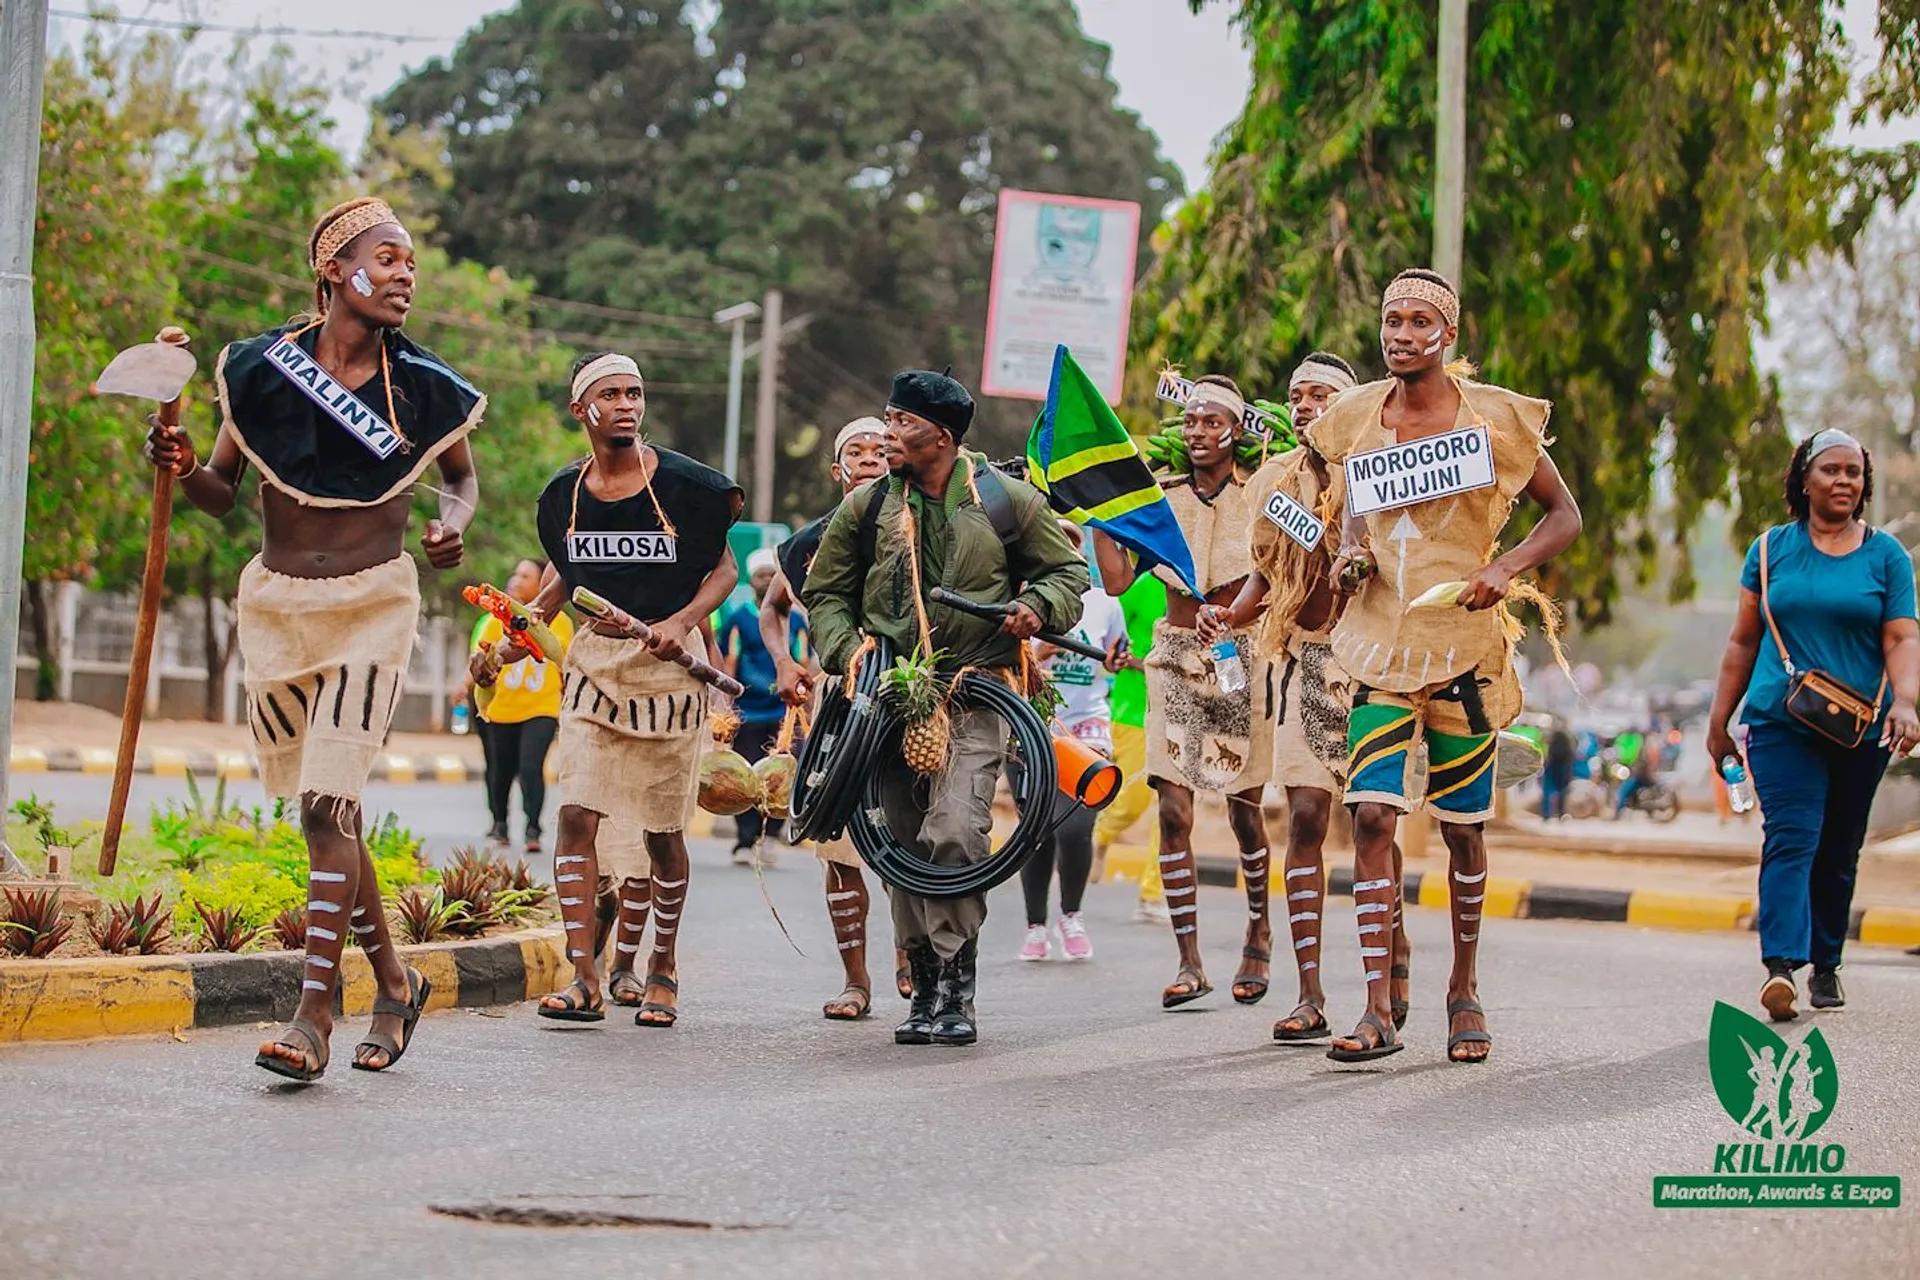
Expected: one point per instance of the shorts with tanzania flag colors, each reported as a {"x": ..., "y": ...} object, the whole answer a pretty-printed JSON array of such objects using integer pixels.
[{"x": 1381, "y": 735}]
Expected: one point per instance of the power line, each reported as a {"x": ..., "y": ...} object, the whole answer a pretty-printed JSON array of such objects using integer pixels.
[{"x": 164, "y": 24}]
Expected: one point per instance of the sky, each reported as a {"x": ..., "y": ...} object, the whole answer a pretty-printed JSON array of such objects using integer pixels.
[{"x": 1187, "y": 75}]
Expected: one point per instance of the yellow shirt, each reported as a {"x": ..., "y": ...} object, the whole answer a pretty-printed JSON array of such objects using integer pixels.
[{"x": 527, "y": 689}]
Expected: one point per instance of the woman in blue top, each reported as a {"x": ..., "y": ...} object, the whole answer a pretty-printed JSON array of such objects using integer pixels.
[{"x": 1842, "y": 596}]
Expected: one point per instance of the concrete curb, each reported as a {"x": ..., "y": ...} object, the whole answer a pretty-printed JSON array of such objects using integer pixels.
[
  {"x": 1524, "y": 899},
  {"x": 234, "y": 766},
  {"x": 135, "y": 995}
]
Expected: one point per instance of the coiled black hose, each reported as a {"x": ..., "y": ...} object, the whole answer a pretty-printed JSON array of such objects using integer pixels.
[
  {"x": 855, "y": 741},
  {"x": 1034, "y": 789}
]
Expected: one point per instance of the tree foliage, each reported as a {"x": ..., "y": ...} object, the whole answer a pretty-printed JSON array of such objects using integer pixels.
[
  {"x": 1636, "y": 175},
  {"x": 849, "y": 152}
]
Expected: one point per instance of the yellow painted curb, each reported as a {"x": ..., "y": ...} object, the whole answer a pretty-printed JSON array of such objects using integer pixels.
[
  {"x": 169, "y": 762},
  {"x": 74, "y": 999},
  {"x": 234, "y": 766},
  {"x": 400, "y": 769},
  {"x": 1506, "y": 897},
  {"x": 96, "y": 760},
  {"x": 1687, "y": 910},
  {"x": 28, "y": 760},
  {"x": 449, "y": 769},
  {"x": 546, "y": 965},
  {"x": 1891, "y": 926}
]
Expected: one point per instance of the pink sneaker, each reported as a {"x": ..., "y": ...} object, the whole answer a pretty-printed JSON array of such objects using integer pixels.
[
  {"x": 1073, "y": 937},
  {"x": 1036, "y": 947}
]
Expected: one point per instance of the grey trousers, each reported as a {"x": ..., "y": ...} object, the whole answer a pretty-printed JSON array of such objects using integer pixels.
[{"x": 954, "y": 828}]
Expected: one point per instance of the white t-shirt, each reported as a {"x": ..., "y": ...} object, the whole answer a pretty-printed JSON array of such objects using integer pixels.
[{"x": 1083, "y": 682}]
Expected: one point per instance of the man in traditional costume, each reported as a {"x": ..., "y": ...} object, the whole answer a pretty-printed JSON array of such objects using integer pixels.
[
  {"x": 1433, "y": 466},
  {"x": 646, "y": 529},
  {"x": 1201, "y": 736},
  {"x": 1295, "y": 500},
  {"x": 932, "y": 527},
  {"x": 859, "y": 455},
  {"x": 340, "y": 414}
]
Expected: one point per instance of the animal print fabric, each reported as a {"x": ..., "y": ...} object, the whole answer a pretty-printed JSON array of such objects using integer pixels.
[{"x": 1198, "y": 736}]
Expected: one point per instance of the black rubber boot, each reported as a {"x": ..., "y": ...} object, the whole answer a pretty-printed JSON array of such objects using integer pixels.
[
  {"x": 925, "y": 965},
  {"x": 953, "y": 1023},
  {"x": 1824, "y": 991}
]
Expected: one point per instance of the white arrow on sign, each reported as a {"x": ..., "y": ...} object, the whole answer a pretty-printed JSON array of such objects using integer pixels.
[{"x": 1404, "y": 531}]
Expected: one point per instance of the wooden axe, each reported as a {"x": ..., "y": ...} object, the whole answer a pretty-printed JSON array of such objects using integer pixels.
[{"x": 157, "y": 370}]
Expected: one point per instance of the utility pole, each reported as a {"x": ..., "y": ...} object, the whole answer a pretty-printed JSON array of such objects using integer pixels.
[
  {"x": 763, "y": 417},
  {"x": 23, "y": 44},
  {"x": 1450, "y": 143},
  {"x": 736, "y": 316}
]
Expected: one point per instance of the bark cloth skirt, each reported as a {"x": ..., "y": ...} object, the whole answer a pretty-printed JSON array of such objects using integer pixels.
[{"x": 632, "y": 730}]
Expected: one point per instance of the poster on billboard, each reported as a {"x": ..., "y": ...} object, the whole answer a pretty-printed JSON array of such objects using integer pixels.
[{"x": 1062, "y": 273}]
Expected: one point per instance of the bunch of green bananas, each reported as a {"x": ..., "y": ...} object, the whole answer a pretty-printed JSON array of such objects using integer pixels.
[{"x": 1166, "y": 449}]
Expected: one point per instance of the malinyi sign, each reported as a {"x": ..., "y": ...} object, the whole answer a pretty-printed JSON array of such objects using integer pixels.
[
  {"x": 340, "y": 404},
  {"x": 1295, "y": 520},
  {"x": 1439, "y": 466},
  {"x": 622, "y": 548}
]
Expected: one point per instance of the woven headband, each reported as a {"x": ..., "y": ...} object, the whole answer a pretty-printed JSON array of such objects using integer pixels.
[
  {"x": 1414, "y": 289},
  {"x": 605, "y": 366},
  {"x": 341, "y": 231},
  {"x": 1832, "y": 438},
  {"x": 854, "y": 430},
  {"x": 1331, "y": 375},
  {"x": 1226, "y": 399}
]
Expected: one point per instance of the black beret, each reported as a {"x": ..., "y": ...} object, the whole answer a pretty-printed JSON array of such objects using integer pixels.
[{"x": 937, "y": 397}]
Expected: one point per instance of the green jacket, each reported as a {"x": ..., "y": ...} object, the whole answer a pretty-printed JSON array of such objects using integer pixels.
[{"x": 959, "y": 550}]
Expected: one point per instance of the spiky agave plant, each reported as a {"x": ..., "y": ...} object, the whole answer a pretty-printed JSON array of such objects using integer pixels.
[
  {"x": 520, "y": 880},
  {"x": 426, "y": 917},
  {"x": 152, "y": 925},
  {"x": 36, "y": 925},
  {"x": 290, "y": 927},
  {"x": 112, "y": 929},
  {"x": 917, "y": 693},
  {"x": 224, "y": 928},
  {"x": 471, "y": 887}
]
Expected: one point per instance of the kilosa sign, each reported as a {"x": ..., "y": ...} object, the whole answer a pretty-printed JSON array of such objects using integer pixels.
[{"x": 1442, "y": 466}]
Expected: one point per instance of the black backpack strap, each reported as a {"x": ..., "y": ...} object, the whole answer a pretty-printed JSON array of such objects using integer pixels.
[{"x": 995, "y": 501}]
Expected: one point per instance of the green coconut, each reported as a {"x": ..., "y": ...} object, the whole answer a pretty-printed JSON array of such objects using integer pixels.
[
  {"x": 728, "y": 784},
  {"x": 776, "y": 773}
]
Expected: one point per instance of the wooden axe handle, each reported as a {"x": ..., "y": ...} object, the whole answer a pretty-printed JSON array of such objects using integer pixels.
[{"x": 152, "y": 578}]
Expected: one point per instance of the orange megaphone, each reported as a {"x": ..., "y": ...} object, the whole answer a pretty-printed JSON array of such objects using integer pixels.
[{"x": 1084, "y": 774}]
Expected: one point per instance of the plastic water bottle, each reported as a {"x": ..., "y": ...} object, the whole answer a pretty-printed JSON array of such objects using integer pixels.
[
  {"x": 462, "y": 719},
  {"x": 1227, "y": 667},
  {"x": 1740, "y": 796}
]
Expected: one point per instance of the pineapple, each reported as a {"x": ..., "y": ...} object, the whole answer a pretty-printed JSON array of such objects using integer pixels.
[{"x": 922, "y": 703}]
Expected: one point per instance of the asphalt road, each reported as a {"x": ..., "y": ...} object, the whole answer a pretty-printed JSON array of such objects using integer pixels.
[{"x": 1089, "y": 1134}]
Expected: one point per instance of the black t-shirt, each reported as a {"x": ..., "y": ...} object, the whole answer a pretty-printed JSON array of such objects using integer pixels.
[
  {"x": 618, "y": 549},
  {"x": 796, "y": 554},
  {"x": 332, "y": 456}
]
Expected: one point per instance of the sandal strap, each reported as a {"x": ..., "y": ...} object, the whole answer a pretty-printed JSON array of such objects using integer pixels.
[
  {"x": 1383, "y": 1029},
  {"x": 378, "y": 1040},
  {"x": 1466, "y": 1004},
  {"x": 1399, "y": 971},
  {"x": 316, "y": 1047},
  {"x": 389, "y": 1007},
  {"x": 1256, "y": 953},
  {"x": 662, "y": 980}
]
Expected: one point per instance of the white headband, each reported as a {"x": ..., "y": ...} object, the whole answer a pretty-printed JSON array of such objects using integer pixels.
[
  {"x": 855, "y": 429},
  {"x": 1225, "y": 399},
  {"x": 1832, "y": 438},
  {"x": 1175, "y": 389},
  {"x": 1331, "y": 375},
  {"x": 605, "y": 366}
]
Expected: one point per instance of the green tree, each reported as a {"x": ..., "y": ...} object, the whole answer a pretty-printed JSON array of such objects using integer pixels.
[
  {"x": 849, "y": 152},
  {"x": 1636, "y": 175}
]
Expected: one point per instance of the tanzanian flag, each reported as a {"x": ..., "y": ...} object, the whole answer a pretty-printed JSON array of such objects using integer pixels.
[{"x": 1092, "y": 473}]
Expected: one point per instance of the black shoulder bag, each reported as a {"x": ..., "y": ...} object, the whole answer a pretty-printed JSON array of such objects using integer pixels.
[{"x": 1817, "y": 700}]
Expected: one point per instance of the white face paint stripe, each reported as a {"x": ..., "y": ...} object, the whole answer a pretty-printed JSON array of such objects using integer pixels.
[
  {"x": 1255, "y": 856},
  {"x": 310, "y": 985},
  {"x": 1469, "y": 937},
  {"x": 668, "y": 884},
  {"x": 576, "y": 955},
  {"x": 665, "y": 917},
  {"x": 328, "y": 877},
  {"x": 1460, "y": 879},
  {"x": 1367, "y": 953},
  {"x": 633, "y": 906},
  {"x": 1176, "y": 875},
  {"x": 1294, "y": 873},
  {"x": 570, "y": 858},
  {"x": 1184, "y": 929},
  {"x": 320, "y": 961},
  {"x": 572, "y": 902},
  {"x": 576, "y": 924},
  {"x": 362, "y": 930},
  {"x": 1371, "y": 908},
  {"x": 1183, "y": 911},
  {"x": 1366, "y": 929},
  {"x": 1309, "y": 964},
  {"x": 1176, "y": 856},
  {"x": 1305, "y": 895},
  {"x": 628, "y": 947},
  {"x": 370, "y": 950},
  {"x": 1374, "y": 975},
  {"x": 1303, "y": 915},
  {"x": 1478, "y": 897},
  {"x": 1302, "y": 944},
  {"x": 849, "y": 946},
  {"x": 358, "y": 912},
  {"x": 1469, "y": 915},
  {"x": 1371, "y": 886},
  {"x": 568, "y": 879},
  {"x": 317, "y": 905},
  {"x": 842, "y": 897},
  {"x": 315, "y": 931}
]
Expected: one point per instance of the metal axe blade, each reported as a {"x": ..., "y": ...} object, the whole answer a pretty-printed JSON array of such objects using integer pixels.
[{"x": 150, "y": 371}]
